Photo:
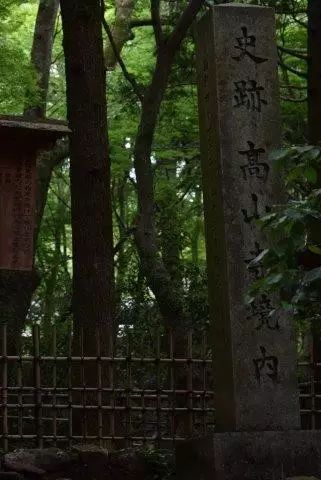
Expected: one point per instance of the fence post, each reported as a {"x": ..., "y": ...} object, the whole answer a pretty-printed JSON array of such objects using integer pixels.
[
  {"x": 37, "y": 385},
  {"x": 4, "y": 388},
  {"x": 54, "y": 383},
  {"x": 99, "y": 387},
  {"x": 70, "y": 396}
]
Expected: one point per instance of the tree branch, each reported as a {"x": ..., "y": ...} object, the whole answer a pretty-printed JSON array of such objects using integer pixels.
[
  {"x": 294, "y": 100},
  {"x": 293, "y": 70},
  {"x": 127, "y": 233},
  {"x": 156, "y": 22},
  {"x": 300, "y": 22},
  {"x": 184, "y": 24},
  {"x": 147, "y": 22},
  {"x": 294, "y": 87},
  {"x": 294, "y": 53}
]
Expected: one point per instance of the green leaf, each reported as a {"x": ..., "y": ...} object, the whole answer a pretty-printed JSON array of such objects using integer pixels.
[
  {"x": 314, "y": 249},
  {"x": 305, "y": 149},
  {"x": 286, "y": 306},
  {"x": 310, "y": 174},
  {"x": 314, "y": 153},
  {"x": 316, "y": 193},
  {"x": 274, "y": 278},
  {"x": 259, "y": 258},
  {"x": 249, "y": 299},
  {"x": 277, "y": 155},
  {"x": 312, "y": 276}
]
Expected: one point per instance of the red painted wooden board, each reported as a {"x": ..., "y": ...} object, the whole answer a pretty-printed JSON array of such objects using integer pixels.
[{"x": 17, "y": 212}]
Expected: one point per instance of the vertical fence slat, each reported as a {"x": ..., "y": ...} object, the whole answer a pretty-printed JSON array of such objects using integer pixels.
[
  {"x": 37, "y": 385},
  {"x": 312, "y": 380},
  {"x": 128, "y": 390},
  {"x": 204, "y": 383},
  {"x": 20, "y": 396},
  {"x": 69, "y": 367},
  {"x": 190, "y": 415},
  {"x": 112, "y": 387},
  {"x": 4, "y": 388},
  {"x": 54, "y": 383},
  {"x": 99, "y": 386},
  {"x": 172, "y": 384},
  {"x": 158, "y": 388},
  {"x": 83, "y": 383}
]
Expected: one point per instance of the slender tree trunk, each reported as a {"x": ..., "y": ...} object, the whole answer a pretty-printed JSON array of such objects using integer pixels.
[
  {"x": 197, "y": 230},
  {"x": 158, "y": 278},
  {"x": 41, "y": 53},
  {"x": 169, "y": 226},
  {"x": 121, "y": 196},
  {"x": 49, "y": 301}
]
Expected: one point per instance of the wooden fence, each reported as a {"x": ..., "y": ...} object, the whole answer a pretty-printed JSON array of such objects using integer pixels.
[{"x": 147, "y": 389}]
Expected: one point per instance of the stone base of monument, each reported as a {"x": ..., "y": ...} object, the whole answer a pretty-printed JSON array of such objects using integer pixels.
[{"x": 277, "y": 455}]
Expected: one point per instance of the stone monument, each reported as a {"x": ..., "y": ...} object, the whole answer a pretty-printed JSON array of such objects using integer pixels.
[
  {"x": 254, "y": 352},
  {"x": 21, "y": 140}
]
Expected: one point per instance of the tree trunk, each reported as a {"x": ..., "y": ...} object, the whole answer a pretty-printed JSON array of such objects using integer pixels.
[
  {"x": 197, "y": 230},
  {"x": 314, "y": 71},
  {"x": 170, "y": 228},
  {"x": 158, "y": 278},
  {"x": 41, "y": 53},
  {"x": 120, "y": 29},
  {"x": 314, "y": 129},
  {"x": 91, "y": 213}
]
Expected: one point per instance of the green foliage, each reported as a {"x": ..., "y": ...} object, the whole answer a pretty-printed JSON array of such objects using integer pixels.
[
  {"x": 293, "y": 260},
  {"x": 176, "y": 164},
  {"x": 17, "y": 77},
  {"x": 160, "y": 463}
]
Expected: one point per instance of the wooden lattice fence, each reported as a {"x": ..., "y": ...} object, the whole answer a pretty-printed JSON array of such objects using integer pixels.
[{"x": 146, "y": 390}]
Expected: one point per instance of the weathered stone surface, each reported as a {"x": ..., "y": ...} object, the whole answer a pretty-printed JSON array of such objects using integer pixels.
[
  {"x": 239, "y": 127},
  {"x": 251, "y": 456},
  {"x": 39, "y": 461},
  {"x": 302, "y": 478},
  {"x": 98, "y": 463},
  {"x": 86, "y": 462},
  {"x": 10, "y": 476}
]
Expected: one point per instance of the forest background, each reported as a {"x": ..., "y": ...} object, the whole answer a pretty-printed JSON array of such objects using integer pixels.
[{"x": 152, "y": 270}]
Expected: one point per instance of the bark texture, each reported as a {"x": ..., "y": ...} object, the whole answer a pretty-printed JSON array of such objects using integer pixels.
[
  {"x": 314, "y": 71},
  {"x": 314, "y": 136},
  {"x": 41, "y": 53},
  {"x": 91, "y": 214},
  {"x": 158, "y": 278},
  {"x": 89, "y": 169},
  {"x": 120, "y": 30}
]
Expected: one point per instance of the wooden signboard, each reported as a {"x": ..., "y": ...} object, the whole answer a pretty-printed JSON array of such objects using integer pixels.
[
  {"x": 17, "y": 205},
  {"x": 20, "y": 142}
]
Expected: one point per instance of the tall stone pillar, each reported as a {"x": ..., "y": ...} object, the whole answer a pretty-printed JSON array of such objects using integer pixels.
[
  {"x": 254, "y": 353},
  {"x": 239, "y": 127}
]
